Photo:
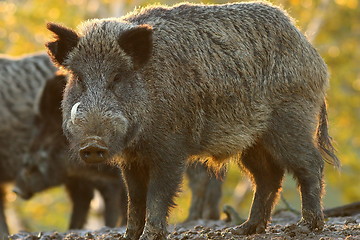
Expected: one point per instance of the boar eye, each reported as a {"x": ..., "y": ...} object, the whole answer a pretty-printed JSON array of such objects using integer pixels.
[
  {"x": 118, "y": 77},
  {"x": 121, "y": 77}
]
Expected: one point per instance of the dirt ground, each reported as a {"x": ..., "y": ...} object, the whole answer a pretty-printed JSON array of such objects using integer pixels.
[{"x": 283, "y": 226}]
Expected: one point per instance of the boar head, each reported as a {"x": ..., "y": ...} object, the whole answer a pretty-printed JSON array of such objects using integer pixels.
[{"x": 103, "y": 98}]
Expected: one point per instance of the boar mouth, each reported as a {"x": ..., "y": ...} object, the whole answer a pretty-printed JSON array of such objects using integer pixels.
[{"x": 94, "y": 150}]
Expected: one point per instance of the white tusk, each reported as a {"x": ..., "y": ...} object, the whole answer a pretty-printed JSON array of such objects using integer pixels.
[{"x": 73, "y": 112}]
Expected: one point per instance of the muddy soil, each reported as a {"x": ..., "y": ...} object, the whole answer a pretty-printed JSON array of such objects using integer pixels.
[{"x": 283, "y": 226}]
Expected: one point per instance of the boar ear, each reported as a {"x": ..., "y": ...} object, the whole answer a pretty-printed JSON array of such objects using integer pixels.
[
  {"x": 65, "y": 40},
  {"x": 51, "y": 97},
  {"x": 137, "y": 42}
]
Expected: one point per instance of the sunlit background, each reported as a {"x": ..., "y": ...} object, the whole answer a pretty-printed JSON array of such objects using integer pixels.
[{"x": 332, "y": 25}]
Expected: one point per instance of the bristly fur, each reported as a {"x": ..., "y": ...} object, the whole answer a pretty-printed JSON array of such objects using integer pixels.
[
  {"x": 220, "y": 81},
  {"x": 21, "y": 81}
]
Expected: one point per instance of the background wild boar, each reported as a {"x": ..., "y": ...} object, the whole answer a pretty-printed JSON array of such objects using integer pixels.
[
  {"x": 166, "y": 84},
  {"x": 21, "y": 80},
  {"x": 46, "y": 166}
]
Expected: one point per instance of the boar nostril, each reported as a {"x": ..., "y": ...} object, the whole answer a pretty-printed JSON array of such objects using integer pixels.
[
  {"x": 101, "y": 153},
  {"x": 86, "y": 154},
  {"x": 94, "y": 152}
]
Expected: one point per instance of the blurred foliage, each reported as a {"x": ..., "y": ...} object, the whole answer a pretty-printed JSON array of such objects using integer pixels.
[{"x": 334, "y": 27}]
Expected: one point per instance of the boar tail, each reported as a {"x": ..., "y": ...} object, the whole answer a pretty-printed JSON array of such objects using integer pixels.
[{"x": 324, "y": 139}]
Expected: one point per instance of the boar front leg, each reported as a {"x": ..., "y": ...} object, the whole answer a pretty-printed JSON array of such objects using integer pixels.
[
  {"x": 136, "y": 179},
  {"x": 164, "y": 182}
]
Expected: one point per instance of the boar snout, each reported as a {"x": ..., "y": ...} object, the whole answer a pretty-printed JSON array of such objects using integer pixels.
[
  {"x": 94, "y": 150},
  {"x": 23, "y": 194}
]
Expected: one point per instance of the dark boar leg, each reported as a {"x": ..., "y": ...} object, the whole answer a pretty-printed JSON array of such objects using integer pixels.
[
  {"x": 267, "y": 178},
  {"x": 4, "y": 231},
  {"x": 80, "y": 194},
  {"x": 164, "y": 182},
  {"x": 206, "y": 191},
  {"x": 198, "y": 183},
  {"x": 136, "y": 178},
  {"x": 311, "y": 188},
  {"x": 111, "y": 195},
  {"x": 211, "y": 209},
  {"x": 291, "y": 141},
  {"x": 308, "y": 169}
]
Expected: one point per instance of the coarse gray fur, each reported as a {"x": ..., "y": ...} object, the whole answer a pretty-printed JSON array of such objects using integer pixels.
[
  {"x": 21, "y": 80},
  {"x": 166, "y": 84}
]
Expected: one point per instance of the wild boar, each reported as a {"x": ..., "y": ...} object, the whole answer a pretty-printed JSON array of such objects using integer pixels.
[
  {"x": 164, "y": 85},
  {"x": 21, "y": 80}
]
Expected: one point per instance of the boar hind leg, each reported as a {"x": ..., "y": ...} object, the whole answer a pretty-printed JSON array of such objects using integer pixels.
[
  {"x": 292, "y": 142},
  {"x": 267, "y": 177},
  {"x": 80, "y": 194},
  {"x": 307, "y": 167},
  {"x": 311, "y": 189},
  {"x": 136, "y": 179}
]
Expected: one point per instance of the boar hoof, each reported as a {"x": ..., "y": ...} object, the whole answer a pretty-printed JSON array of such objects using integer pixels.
[
  {"x": 315, "y": 224},
  {"x": 248, "y": 228},
  {"x": 133, "y": 233},
  {"x": 153, "y": 236}
]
